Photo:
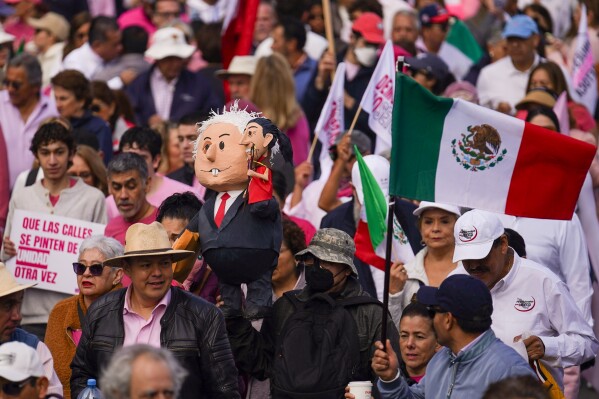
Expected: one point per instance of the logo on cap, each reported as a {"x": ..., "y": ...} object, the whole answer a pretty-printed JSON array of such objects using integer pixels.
[
  {"x": 8, "y": 359},
  {"x": 468, "y": 235},
  {"x": 480, "y": 149},
  {"x": 525, "y": 305}
]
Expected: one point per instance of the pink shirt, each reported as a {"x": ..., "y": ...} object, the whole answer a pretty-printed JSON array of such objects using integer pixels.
[
  {"x": 166, "y": 189},
  {"x": 18, "y": 133},
  {"x": 299, "y": 135},
  {"x": 139, "y": 330},
  {"x": 117, "y": 227},
  {"x": 136, "y": 16}
]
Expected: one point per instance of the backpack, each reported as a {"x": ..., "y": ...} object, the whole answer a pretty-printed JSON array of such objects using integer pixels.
[{"x": 318, "y": 351}]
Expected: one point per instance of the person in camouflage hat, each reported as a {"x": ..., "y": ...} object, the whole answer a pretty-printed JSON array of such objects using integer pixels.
[{"x": 330, "y": 273}]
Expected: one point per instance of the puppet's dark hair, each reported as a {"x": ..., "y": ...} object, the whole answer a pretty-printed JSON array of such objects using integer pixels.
[{"x": 280, "y": 138}]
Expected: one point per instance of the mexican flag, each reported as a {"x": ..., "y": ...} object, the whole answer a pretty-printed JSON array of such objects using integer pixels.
[
  {"x": 371, "y": 234},
  {"x": 460, "y": 37},
  {"x": 455, "y": 152}
]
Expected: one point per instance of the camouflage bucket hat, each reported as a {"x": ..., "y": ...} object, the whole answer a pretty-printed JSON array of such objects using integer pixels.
[{"x": 332, "y": 245}]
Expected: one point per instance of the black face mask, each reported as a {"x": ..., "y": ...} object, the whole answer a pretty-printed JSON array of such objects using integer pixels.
[{"x": 319, "y": 279}]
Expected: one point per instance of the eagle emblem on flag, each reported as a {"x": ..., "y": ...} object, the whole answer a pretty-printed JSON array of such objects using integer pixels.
[{"x": 479, "y": 149}]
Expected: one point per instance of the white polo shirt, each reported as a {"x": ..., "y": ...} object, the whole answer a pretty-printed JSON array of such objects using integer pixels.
[
  {"x": 502, "y": 82},
  {"x": 531, "y": 299}
]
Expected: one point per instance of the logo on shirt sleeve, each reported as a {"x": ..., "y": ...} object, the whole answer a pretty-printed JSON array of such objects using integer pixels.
[{"x": 525, "y": 305}]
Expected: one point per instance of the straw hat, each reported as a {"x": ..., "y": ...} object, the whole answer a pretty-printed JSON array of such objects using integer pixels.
[
  {"x": 8, "y": 284},
  {"x": 147, "y": 240},
  {"x": 240, "y": 65},
  {"x": 538, "y": 96}
]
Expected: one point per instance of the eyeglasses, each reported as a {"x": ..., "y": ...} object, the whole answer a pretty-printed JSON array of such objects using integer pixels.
[
  {"x": 167, "y": 393},
  {"x": 95, "y": 269},
  {"x": 14, "y": 83},
  {"x": 82, "y": 175},
  {"x": 167, "y": 15},
  {"x": 14, "y": 388}
]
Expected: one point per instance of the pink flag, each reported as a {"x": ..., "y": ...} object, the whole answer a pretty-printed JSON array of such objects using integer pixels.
[
  {"x": 561, "y": 110},
  {"x": 378, "y": 98},
  {"x": 584, "y": 79}
]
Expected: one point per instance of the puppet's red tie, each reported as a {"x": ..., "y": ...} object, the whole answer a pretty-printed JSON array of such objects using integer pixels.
[{"x": 220, "y": 214}]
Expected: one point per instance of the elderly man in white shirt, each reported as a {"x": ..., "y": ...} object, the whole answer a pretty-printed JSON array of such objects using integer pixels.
[{"x": 532, "y": 305}]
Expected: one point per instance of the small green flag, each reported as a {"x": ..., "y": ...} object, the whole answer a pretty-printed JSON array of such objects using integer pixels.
[
  {"x": 374, "y": 202},
  {"x": 460, "y": 36}
]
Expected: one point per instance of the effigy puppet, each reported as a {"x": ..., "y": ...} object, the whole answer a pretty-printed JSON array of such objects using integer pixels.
[{"x": 238, "y": 231}]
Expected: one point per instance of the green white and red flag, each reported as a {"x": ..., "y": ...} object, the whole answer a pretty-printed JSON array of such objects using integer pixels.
[
  {"x": 455, "y": 152},
  {"x": 371, "y": 233}
]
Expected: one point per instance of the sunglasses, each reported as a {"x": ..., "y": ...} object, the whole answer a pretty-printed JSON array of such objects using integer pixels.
[
  {"x": 95, "y": 269},
  {"x": 435, "y": 309},
  {"x": 14, "y": 83},
  {"x": 14, "y": 388}
]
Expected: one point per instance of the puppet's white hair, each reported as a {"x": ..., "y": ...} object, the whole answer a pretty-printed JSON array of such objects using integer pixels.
[{"x": 235, "y": 116}]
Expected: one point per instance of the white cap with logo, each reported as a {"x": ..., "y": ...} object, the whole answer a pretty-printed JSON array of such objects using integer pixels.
[
  {"x": 474, "y": 234},
  {"x": 19, "y": 361}
]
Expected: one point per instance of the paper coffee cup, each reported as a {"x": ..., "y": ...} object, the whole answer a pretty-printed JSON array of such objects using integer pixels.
[{"x": 361, "y": 389}]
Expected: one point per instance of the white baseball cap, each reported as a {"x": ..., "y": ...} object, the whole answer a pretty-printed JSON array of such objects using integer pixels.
[
  {"x": 19, "y": 361},
  {"x": 380, "y": 169},
  {"x": 424, "y": 205},
  {"x": 474, "y": 234},
  {"x": 169, "y": 42}
]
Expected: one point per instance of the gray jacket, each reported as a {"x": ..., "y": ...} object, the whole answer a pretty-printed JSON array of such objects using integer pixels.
[{"x": 466, "y": 375}]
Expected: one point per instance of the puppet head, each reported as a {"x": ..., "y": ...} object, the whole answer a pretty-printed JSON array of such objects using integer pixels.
[
  {"x": 262, "y": 137},
  {"x": 220, "y": 162}
]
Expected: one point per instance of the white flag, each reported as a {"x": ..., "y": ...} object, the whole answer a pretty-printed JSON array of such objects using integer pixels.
[
  {"x": 584, "y": 79},
  {"x": 378, "y": 99},
  {"x": 331, "y": 121}
]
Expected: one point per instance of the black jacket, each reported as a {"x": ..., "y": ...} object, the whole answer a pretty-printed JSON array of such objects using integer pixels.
[
  {"x": 191, "y": 328},
  {"x": 254, "y": 351}
]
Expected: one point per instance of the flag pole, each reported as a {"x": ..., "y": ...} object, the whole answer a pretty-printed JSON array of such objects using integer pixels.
[
  {"x": 312, "y": 147},
  {"x": 328, "y": 29},
  {"x": 390, "y": 214},
  {"x": 399, "y": 66}
]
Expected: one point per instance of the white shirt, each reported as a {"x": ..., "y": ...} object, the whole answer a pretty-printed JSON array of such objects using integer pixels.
[
  {"x": 559, "y": 245},
  {"x": 315, "y": 46},
  {"x": 54, "y": 385},
  {"x": 162, "y": 93},
  {"x": 50, "y": 61},
  {"x": 86, "y": 61},
  {"x": 233, "y": 196},
  {"x": 502, "y": 82},
  {"x": 531, "y": 299}
]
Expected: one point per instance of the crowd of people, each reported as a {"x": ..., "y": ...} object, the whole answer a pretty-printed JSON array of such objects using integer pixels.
[{"x": 108, "y": 107}]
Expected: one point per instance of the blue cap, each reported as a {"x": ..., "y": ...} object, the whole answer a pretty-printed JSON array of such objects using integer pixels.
[
  {"x": 433, "y": 14},
  {"x": 464, "y": 296},
  {"x": 430, "y": 63},
  {"x": 521, "y": 26},
  {"x": 5, "y": 9}
]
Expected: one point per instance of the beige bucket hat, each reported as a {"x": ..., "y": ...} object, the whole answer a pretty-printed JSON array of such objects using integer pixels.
[
  {"x": 8, "y": 284},
  {"x": 147, "y": 240}
]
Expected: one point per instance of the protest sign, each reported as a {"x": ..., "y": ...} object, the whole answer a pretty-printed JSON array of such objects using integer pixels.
[{"x": 47, "y": 245}]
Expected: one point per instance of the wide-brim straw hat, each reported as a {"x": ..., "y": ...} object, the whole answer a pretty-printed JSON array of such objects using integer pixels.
[
  {"x": 8, "y": 284},
  {"x": 144, "y": 240}
]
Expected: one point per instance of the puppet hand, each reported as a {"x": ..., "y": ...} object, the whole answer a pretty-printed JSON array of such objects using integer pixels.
[
  {"x": 398, "y": 278},
  {"x": 9, "y": 247}
]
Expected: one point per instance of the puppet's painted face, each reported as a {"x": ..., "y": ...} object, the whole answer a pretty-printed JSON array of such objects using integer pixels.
[
  {"x": 253, "y": 136},
  {"x": 221, "y": 163}
]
